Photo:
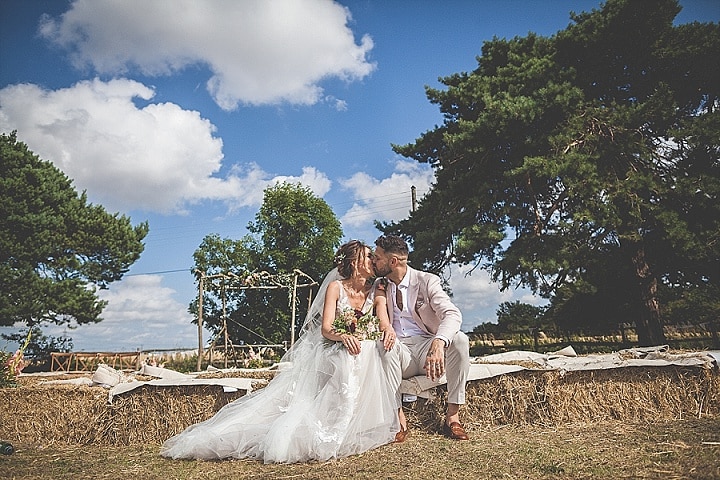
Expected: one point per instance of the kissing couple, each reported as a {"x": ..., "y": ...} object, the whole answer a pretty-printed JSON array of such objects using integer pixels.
[{"x": 340, "y": 394}]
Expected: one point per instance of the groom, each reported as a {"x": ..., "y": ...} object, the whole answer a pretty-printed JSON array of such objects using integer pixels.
[{"x": 427, "y": 325}]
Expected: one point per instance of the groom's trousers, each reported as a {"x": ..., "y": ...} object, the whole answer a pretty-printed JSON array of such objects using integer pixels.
[{"x": 407, "y": 359}]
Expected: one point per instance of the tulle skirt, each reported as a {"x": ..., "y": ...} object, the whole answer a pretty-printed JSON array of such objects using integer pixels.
[{"x": 339, "y": 405}]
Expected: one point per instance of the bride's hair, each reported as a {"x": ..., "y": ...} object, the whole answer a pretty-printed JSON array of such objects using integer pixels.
[{"x": 349, "y": 253}]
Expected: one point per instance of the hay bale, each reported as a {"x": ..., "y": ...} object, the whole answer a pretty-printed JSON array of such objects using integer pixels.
[
  {"x": 152, "y": 414},
  {"x": 81, "y": 415},
  {"x": 553, "y": 398},
  {"x": 71, "y": 414},
  {"x": 44, "y": 415}
]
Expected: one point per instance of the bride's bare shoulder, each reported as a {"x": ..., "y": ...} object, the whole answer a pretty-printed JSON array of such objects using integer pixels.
[{"x": 334, "y": 288}]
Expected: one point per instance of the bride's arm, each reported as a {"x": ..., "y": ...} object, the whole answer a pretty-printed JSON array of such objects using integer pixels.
[
  {"x": 380, "y": 308},
  {"x": 329, "y": 308},
  {"x": 332, "y": 294}
]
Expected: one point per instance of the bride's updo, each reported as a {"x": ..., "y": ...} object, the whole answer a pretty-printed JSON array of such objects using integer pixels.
[{"x": 349, "y": 255}]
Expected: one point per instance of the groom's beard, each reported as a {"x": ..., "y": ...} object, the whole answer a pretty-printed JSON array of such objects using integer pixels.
[{"x": 381, "y": 273}]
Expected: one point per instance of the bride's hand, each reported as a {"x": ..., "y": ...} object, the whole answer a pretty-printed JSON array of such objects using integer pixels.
[
  {"x": 388, "y": 338},
  {"x": 352, "y": 344}
]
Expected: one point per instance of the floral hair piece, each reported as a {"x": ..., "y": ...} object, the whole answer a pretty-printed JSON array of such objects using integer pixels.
[{"x": 339, "y": 258}]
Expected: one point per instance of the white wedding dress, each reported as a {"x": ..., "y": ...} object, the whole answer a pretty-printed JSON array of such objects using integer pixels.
[{"x": 327, "y": 404}]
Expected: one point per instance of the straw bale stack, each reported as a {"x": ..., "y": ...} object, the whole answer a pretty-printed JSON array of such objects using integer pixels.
[
  {"x": 45, "y": 414},
  {"x": 82, "y": 415},
  {"x": 551, "y": 398}
]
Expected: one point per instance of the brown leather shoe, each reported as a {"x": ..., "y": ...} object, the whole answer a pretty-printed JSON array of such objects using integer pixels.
[
  {"x": 402, "y": 435},
  {"x": 455, "y": 431}
]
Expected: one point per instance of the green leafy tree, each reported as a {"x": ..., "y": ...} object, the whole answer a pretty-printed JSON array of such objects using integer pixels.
[
  {"x": 293, "y": 230},
  {"x": 486, "y": 328},
  {"x": 56, "y": 249},
  {"x": 518, "y": 317},
  {"x": 600, "y": 301},
  {"x": 694, "y": 306},
  {"x": 597, "y": 145},
  {"x": 219, "y": 256}
]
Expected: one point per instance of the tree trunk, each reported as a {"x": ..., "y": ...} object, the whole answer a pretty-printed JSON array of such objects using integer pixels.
[{"x": 649, "y": 324}]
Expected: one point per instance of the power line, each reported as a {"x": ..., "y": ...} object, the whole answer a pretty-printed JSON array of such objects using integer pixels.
[
  {"x": 365, "y": 199},
  {"x": 378, "y": 201},
  {"x": 158, "y": 273},
  {"x": 388, "y": 204}
]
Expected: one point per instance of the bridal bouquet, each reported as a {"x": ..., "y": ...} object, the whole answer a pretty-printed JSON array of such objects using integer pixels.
[{"x": 354, "y": 322}]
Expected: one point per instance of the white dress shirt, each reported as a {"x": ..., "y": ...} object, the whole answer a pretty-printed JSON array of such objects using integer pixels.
[{"x": 403, "y": 322}]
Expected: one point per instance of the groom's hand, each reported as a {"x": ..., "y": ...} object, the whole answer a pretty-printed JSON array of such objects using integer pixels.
[
  {"x": 435, "y": 361},
  {"x": 389, "y": 339}
]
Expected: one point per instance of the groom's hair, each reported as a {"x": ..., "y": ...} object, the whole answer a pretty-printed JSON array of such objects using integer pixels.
[{"x": 393, "y": 244}]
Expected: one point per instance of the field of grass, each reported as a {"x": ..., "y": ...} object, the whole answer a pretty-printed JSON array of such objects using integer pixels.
[
  {"x": 681, "y": 449},
  {"x": 481, "y": 345}
]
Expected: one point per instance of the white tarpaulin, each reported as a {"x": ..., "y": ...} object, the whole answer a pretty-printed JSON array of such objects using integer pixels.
[
  {"x": 171, "y": 378},
  {"x": 566, "y": 360},
  {"x": 228, "y": 384},
  {"x": 119, "y": 382}
]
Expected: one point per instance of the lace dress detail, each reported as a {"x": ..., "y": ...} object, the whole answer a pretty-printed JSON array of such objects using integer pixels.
[{"x": 328, "y": 404}]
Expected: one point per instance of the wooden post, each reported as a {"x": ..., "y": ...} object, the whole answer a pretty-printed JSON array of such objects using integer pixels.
[
  {"x": 292, "y": 318},
  {"x": 310, "y": 299},
  {"x": 224, "y": 310},
  {"x": 201, "y": 281}
]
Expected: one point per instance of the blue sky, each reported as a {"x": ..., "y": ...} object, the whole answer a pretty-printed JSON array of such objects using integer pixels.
[{"x": 181, "y": 112}]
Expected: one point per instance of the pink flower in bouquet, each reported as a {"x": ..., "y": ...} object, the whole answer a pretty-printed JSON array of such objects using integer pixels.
[
  {"x": 16, "y": 363},
  {"x": 12, "y": 365}
]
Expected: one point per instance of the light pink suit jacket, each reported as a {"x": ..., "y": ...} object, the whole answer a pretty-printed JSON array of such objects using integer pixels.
[{"x": 433, "y": 311}]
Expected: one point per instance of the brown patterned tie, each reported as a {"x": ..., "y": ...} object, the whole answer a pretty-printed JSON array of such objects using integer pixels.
[{"x": 398, "y": 298}]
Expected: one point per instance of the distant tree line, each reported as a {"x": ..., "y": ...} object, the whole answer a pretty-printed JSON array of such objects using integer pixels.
[{"x": 518, "y": 318}]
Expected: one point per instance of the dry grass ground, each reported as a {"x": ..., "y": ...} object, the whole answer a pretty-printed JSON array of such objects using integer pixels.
[{"x": 680, "y": 449}]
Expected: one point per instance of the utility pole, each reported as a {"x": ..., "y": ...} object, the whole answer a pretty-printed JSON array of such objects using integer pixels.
[{"x": 413, "y": 191}]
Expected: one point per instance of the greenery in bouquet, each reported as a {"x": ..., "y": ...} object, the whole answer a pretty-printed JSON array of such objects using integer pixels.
[{"x": 364, "y": 326}]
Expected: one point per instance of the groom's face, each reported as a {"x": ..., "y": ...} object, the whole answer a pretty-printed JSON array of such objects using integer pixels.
[{"x": 381, "y": 262}]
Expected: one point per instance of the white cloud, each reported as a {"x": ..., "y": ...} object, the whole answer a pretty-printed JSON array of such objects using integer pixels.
[
  {"x": 385, "y": 199},
  {"x": 141, "y": 314},
  {"x": 259, "y": 51},
  {"x": 339, "y": 105},
  {"x": 478, "y": 297},
  {"x": 156, "y": 158},
  {"x": 317, "y": 181},
  {"x": 249, "y": 183},
  {"x": 153, "y": 158}
]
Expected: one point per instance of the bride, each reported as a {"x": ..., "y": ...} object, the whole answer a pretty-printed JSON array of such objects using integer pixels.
[{"x": 334, "y": 399}]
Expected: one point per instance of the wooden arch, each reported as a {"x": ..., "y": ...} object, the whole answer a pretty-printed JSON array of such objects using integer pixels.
[{"x": 254, "y": 281}]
